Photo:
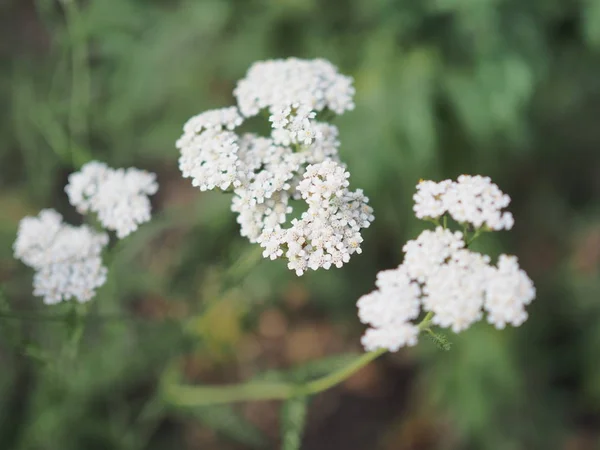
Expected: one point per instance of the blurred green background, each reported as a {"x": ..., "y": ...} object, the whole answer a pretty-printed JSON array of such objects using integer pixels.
[{"x": 505, "y": 88}]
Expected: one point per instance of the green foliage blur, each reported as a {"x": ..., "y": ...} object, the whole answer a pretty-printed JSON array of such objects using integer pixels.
[{"x": 505, "y": 88}]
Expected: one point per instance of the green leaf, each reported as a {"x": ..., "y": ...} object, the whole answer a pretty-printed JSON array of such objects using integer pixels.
[
  {"x": 293, "y": 418},
  {"x": 440, "y": 340}
]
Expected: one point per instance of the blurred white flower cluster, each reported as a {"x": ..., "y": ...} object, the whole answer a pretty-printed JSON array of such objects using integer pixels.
[
  {"x": 471, "y": 199},
  {"x": 118, "y": 196},
  {"x": 298, "y": 160},
  {"x": 442, "y": 276},
  {"x": 67, "y": 259}
]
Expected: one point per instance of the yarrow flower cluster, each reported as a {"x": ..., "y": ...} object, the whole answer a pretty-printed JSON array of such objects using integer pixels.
[
  {"x": 441, "y": 276},
  {"x": 67, "y": 259},
  {"x": 471, "y": 199},
  {"x": 293, "y": 91},
  {"x": 297, "y": 161},
  {"x": 118, "y": 196}
]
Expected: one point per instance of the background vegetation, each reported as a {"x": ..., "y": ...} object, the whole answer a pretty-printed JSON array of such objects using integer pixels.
[{"x": 506, "y": 88}]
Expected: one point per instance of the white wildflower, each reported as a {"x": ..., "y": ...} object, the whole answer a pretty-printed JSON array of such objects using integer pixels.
[
  {"x": 298, "y": 161},
  {"x": 328, "y": 233},
  {"x": 118, "y": 196},
  {"x": 388, "y": 310},
  {"x": 214, "y": 119},
  {"x": 209, "y": 150},
  {"x": 429, "y": 200},
  {"x": 424, "y": 255},
  {"x": 471, "y": 199},
  {"x": 478, "y": 201},
  {"x": 255, "y": 218},
  {"x": 390, "y": 338},
  {"x": 454, "y": 284},
  {"x": 325, "y": 146},
  {"x": 292, "y": 90},
  {"x": 293, "y": 83},
  {"x": 210, "y": 159},
  {"x": 66, "y": 258},
  {"x": 396, "y": 300},
  {"x": 454, "y": 292},
  {"x": 508, "y": 290}
]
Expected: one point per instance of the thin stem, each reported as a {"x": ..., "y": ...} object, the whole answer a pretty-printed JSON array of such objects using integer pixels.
[
  {"x": 243, "y": 265},
  {"x": 424, "y": 324},
  {"x": 183, "y": 395},
  {"x": 80, "y": 84},
  {"x": 210, "y": 395},
  {"x": 475, "y": 236},
  {"x": 338, "y": 376},
  {"x": 75, "y": 322}
]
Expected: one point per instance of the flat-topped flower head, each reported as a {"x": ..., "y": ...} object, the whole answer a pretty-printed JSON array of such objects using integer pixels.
[
  {"x": 118, "y": 196},
  {"x": 473, "y": 200},
  {"x": 453, "y": 284},
  {"x": 66, "y": 258},
  {"x": 282, "y": 85},
  {"x": 297, "y": 160},
  {"x": 293, "y": 91}
]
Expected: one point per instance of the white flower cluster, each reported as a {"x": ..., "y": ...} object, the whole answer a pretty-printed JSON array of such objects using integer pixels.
[
  {"x": 118, "y": 196},
  {"x": 293, "y": 90},
  {"x": 441, "y": 276},
  {"x": 298, "y": 161},
  {"x": 66, "y": 259},
  {"x": 328, "y": 233},
  {"x": 470, "y": 199},
  {"x": 209, "y": 149}
]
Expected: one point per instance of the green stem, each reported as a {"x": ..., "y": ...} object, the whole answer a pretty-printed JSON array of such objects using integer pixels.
[
  {"x": 183, "y": 395},
  {"x": 328, "y": 381},
  {"x": 210, "y": 395},
  {"x": 243, "y": 265},
  {"x": 475, "y": 236},
  {"x": 80, "y": 84},
  {"x": 424, "y": 324},
  {"x": 76, "y": 324}
]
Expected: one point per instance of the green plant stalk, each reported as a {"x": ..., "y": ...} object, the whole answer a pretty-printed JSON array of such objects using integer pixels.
[
  {"x": 80, "y": 84},
  {"x": 76, "y": 323},
  {"x": 183, "y": 395}
]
